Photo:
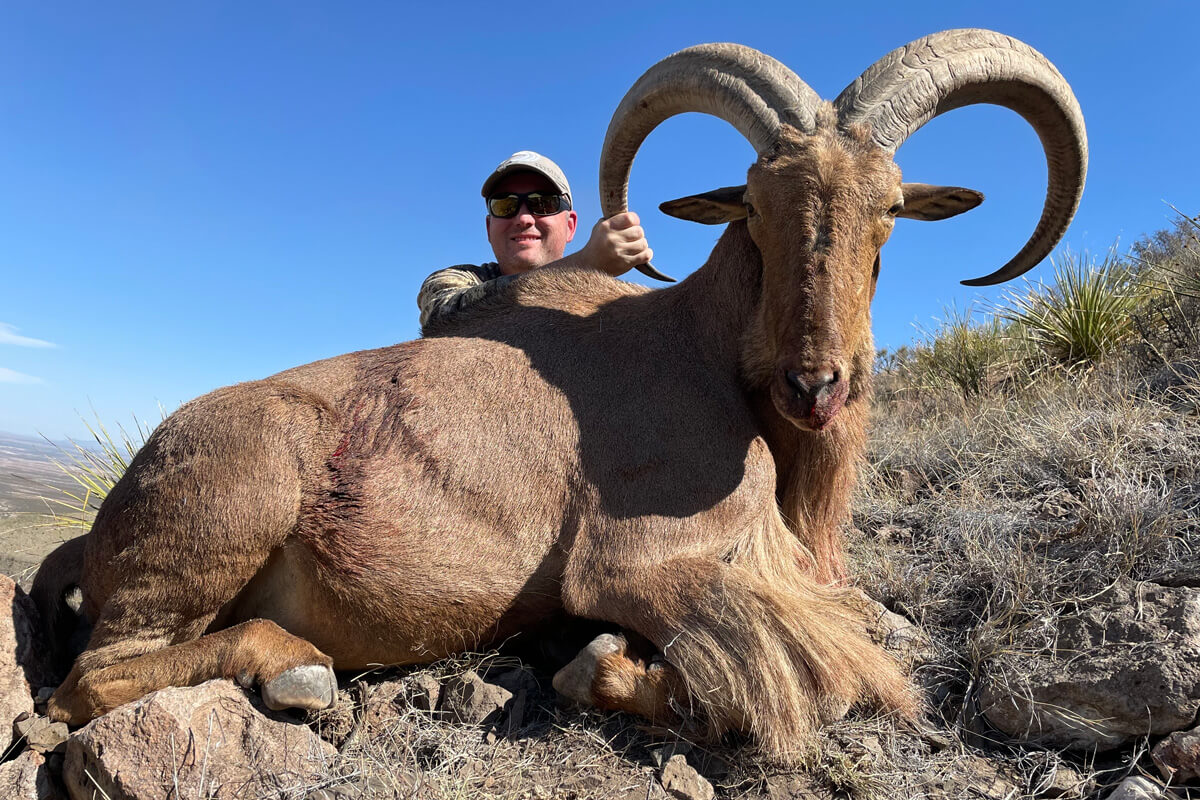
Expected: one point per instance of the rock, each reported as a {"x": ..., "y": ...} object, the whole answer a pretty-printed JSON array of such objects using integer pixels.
[
  {"x": 40, "y": 733},
  {"x": 661, "y": 755},
  {"x": 973, "y": 776},
  {"x": 20, "y": 666},
  {"x": 896, "y": 633},
  {"x": 794, "y": 786},
  {"x": 200, "y": 741},
  {"x": 26, "y": 778},
  {"x": 473, "y": 701},
  {"x": 1057, "y": 780},
  {"x": 1178, "y": 756},
  {"x": 1139, "y": 789},
  {"x": 1125, "y": 667},
  {"x": 683, "y": 782},
  {"x": 985, "y": 778},
  {"x": 424, "y": 691},
  {"x": 382, "y": 705}
]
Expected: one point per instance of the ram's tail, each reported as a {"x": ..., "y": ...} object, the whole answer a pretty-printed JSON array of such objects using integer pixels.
[{"x": 57, "y": 596}]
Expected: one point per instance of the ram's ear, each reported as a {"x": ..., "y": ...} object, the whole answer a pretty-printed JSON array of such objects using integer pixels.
[
  {"x": 711, "y": 208},
  {"x": 930, "y": 203}
]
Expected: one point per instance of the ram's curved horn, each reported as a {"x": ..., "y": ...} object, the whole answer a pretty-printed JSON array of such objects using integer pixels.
[
  {"x": 914, "y": 83},
  {"x": 749, "y": 90}
]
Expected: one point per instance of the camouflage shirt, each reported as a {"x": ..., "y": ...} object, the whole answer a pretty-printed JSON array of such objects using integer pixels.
[{"x": 448, "y": 291}]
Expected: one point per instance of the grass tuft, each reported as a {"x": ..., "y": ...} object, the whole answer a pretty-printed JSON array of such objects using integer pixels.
[{"x": 95, "y": 469}]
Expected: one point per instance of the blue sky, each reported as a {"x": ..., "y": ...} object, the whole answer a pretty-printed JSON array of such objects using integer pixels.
[{"x": 193, "y": 195}]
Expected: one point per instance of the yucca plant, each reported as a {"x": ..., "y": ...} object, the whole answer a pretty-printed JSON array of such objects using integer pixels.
[
  {"x": 94, "y": 470},
  {"x": 1083, "y": 316},
  {"x": 961, "y": 354}
]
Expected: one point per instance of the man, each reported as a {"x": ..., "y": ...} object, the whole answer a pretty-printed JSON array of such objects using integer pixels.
[{"x": 529, "y": 223}]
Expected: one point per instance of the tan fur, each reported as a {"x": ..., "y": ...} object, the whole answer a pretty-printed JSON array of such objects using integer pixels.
[{"x": 576, "y": 443}]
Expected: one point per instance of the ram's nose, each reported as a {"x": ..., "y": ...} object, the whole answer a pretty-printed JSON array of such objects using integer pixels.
[
  {"x": 813, "y": 385},
  {"x": 818, "y": 394}
]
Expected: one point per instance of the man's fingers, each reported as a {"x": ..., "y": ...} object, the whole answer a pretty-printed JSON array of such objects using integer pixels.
[
  {"x": 622, "y": 221},
  {"x": 633, "y": 234}
]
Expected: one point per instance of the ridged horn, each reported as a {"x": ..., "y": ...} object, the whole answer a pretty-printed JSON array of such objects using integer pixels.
[
  {"x": 930, "y": 76},
  {"x": 749, "y": 90}
]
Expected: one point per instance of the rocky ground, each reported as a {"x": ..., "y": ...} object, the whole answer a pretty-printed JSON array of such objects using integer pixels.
[{"x": 1037, "y": 554}]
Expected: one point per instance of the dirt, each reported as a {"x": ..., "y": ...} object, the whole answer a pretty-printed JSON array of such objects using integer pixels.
[{"x": 30, "y": 481}]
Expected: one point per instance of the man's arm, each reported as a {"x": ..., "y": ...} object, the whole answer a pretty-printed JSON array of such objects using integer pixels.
[
  {"x": 616, "y": 245},
  {"x": 448, "y": 291}
]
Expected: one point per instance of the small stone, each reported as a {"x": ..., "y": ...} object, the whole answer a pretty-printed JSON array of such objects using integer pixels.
[
  {"x": 661, "y": 755},
  {"x": 683, "y": 782},
  {"x": 1064, "y": 783},
  {"x": 1139, "y": 789},
  {"x": 1178, "y": 756},
  {"x": 424, "y": 691},
  {"x": 473, "y": 701},
  {"x": 40, "y": 733}
]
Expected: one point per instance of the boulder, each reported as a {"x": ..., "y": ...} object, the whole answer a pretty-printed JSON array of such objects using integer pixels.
[
  {"x": 199, "y": 741},
  {"x": 26, "y": 778},
  {"x": 1124, "y": 667},
  {"x": 20, "y": 670}
]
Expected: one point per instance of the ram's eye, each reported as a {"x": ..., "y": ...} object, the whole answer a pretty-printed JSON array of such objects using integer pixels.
[
  {"x": 750, "y": 209},
  {"x": 895, "y": 210}
]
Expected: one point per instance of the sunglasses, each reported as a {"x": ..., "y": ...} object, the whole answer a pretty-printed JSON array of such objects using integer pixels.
[{"x": 540, "y": 204}]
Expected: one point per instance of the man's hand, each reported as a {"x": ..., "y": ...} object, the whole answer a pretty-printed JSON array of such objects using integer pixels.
[{"x": 617, "y": 245}]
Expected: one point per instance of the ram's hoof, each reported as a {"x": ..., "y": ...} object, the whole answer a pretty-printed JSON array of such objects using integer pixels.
[
  {"x": 312, "y": 686},
  {"x": 574, "y": 681}
]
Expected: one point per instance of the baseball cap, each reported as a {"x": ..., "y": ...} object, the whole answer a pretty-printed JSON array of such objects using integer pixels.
[{"x": 528, "y": 161}]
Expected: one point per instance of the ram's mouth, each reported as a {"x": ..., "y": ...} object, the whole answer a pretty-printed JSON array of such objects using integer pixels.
[{"x": 811, "y": 411}]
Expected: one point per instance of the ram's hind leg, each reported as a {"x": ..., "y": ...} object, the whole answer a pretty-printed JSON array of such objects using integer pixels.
[
  {"x": 623, "y": 672},
  {"x": 212, "y": 494},
  {"x": 763, "y": 651}
]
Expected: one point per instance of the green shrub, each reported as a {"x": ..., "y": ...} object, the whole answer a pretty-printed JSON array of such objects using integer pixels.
[
  {"x": 1169, "y": 266},
  {"x": 962, "y": 355},
  {"x": 1084, "y": 315}
]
